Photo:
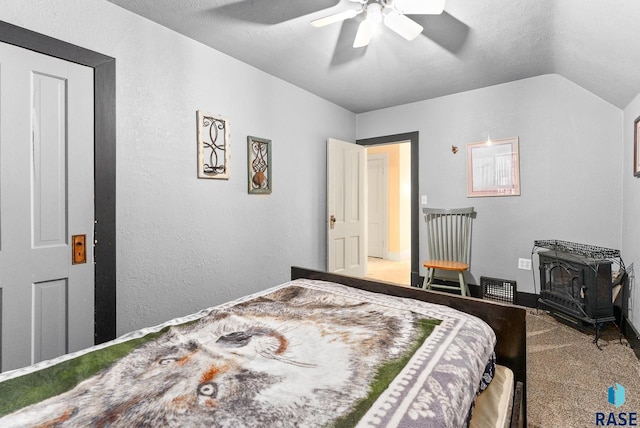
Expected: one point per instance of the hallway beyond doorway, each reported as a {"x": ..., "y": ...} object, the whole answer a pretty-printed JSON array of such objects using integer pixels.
[{"x": 389, "y": 271}]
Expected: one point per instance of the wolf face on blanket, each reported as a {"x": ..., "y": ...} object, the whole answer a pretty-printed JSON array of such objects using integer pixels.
[{"x": 295, "y": 357}]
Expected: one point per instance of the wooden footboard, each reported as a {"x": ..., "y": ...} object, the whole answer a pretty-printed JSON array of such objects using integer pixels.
[
  {"x": 507, "y": 321},
  {"x": 518, "y": 417}
]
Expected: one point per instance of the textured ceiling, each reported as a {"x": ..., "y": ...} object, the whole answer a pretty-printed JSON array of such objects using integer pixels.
[{"x": 473, "y": 44}]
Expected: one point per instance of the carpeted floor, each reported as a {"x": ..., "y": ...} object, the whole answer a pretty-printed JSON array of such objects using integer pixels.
[{"x": 568, "y": 376}]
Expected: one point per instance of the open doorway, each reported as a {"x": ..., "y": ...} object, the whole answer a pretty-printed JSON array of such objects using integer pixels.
[
  {"x": 395, "y": 257},
  {"x": 389, "y": 212}
]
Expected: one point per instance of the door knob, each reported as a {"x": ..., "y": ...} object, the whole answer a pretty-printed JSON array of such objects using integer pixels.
[{"x": 332, "y": 221}]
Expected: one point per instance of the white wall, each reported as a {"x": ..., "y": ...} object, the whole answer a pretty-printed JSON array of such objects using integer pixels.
[
  {"x": 184, "y": 243},
  {"x": 631, "y": 212},
  {"x": 570, "y": 151}
]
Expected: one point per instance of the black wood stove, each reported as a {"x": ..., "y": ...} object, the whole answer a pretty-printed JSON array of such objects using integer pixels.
[{"x": 576, "y": 281}]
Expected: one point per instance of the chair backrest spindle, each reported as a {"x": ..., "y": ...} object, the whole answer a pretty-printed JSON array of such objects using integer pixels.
[{"x": 449, "y": 233}]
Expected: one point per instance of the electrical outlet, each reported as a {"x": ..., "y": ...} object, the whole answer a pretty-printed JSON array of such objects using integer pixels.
[{"x": 524, "y": 264}]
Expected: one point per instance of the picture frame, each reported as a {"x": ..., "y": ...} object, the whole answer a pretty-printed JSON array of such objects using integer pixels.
[
  {"x": 214, "y": 146},
  {"x": 636, "y": 147},
  {"x": 259, "y": 165},
  {"x": 493, "y": 168}
]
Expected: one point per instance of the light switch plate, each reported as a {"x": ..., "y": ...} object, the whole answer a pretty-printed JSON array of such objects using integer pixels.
[{"x": 524, "y": 264}]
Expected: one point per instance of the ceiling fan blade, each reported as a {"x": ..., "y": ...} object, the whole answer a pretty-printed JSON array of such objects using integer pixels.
[
  {"x": 406, "y": 27},
  {"x": 419, "y": 7},
  {"x": 363, "y": 36},
  {"x": 331, "y": 19}
]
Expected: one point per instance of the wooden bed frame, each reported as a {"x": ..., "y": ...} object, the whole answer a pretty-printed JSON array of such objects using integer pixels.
[{"x": 508, "y": 322}]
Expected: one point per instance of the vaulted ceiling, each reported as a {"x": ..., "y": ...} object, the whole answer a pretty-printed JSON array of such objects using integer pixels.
[{"x": 473, "y": 44}]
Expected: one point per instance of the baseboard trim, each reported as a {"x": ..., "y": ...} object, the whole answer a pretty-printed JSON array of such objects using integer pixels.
[{"x": 632, "y": 336}]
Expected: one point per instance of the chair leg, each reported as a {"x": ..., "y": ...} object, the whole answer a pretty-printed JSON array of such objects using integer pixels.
[
  {"x": 428, "y": 279},
  {"x": 464, "y": 290}
]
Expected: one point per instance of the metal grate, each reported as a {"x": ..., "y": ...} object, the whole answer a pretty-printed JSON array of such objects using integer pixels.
[
  {"x": 498, "y": 290},
  {"x": 592, "y": 251}
]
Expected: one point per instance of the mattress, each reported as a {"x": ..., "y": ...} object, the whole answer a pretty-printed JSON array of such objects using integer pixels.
[
  {"x": 494, "y": 404},
  {"x": 304, "y": 353}
]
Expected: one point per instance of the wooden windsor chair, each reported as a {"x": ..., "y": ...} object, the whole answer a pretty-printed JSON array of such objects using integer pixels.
[{"x": 449, "y": 242}]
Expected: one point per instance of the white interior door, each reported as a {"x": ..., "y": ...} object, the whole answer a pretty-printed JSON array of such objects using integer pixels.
[
  {"x": 377, "y": 205},
  {"x": 346, "y": 208},
  {"x": 46, "y": 197}
]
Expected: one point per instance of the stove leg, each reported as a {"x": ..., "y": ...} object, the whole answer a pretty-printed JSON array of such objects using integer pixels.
[{"x": 598, "y": 327}]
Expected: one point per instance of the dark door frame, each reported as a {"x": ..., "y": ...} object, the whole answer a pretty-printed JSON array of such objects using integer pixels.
[
  {"x": 104, "y": 78},
  {"x": 413, "y": 138}
]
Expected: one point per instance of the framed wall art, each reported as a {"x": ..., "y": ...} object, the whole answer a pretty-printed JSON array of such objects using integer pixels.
[
  {"x": 493, "y": 168},
  {"x": 214, "y": 146},
  {"x": 636, "y": 147},
  {"x": 259, "y": 157}
]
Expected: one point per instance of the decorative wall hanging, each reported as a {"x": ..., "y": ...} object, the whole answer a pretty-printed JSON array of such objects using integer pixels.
[
  {"x": 214, "y": 149},
  {"x": 636, "y": 147},
  {"x": 493, "y": 168},
  {"x": 259, "y": 154}
]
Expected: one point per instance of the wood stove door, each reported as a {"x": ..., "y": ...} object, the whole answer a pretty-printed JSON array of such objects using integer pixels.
[{"x": 562, "y": 285}]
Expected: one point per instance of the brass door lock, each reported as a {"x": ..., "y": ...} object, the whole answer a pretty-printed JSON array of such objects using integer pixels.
[{"x": 79, "y": 249}]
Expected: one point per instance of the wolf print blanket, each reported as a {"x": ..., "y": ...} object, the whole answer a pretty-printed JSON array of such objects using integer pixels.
[{"x": 303, "y": 354}]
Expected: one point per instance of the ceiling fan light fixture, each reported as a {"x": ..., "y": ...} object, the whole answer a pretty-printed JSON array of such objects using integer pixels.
[
  {"x": 391, "y": 12},
  {"x": 374, "y": 13}
]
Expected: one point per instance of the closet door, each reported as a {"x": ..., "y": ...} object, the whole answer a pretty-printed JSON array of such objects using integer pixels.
[{"x": 46, "y": 207}]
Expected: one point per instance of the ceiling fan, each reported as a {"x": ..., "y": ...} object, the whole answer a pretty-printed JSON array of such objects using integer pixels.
[{"x": 390, "y": 12}]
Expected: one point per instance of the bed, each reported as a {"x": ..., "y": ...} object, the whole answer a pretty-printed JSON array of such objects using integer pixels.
[{"x": 320, "y": 350}]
